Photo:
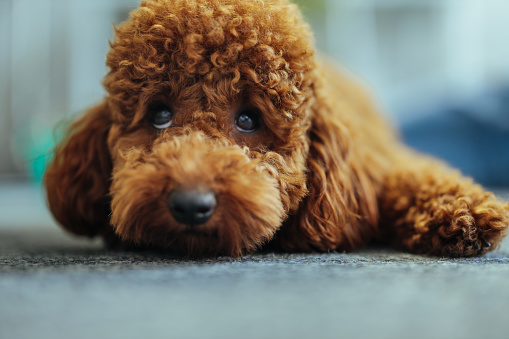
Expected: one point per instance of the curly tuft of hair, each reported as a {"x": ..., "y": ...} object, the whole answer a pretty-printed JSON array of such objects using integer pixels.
[{"x": 222, "y": 132}]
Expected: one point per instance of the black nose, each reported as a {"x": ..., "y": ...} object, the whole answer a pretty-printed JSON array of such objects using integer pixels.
[{"x": 192, "y": 207}]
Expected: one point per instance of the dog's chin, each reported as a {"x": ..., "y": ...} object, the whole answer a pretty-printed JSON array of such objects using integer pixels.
[
  {"x": 192, "y": 242},
  {"x": 201, "y": 232},
  {"x": 229, "y": 239},
  {"x": 198, "y": 243}
]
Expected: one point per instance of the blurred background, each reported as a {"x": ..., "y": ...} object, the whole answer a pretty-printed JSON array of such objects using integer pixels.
[{"x": 438, "y": 68}]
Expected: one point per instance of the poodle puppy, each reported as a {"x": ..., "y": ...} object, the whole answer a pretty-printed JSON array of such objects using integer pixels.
[{"x": 222, "y": 131}]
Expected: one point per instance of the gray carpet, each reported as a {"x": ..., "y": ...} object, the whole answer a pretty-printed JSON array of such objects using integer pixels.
[{"x": 55, "y": 286}]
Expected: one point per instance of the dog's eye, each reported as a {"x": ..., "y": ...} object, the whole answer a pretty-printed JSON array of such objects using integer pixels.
[
  {"x": 247, "y": 120},
  {"x": 161, "y": 118}
]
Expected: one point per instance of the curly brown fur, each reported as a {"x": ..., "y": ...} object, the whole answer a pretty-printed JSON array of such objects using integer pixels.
[
  {"x": 322, "y": 171},
  {"x": 447, "y": 215}
]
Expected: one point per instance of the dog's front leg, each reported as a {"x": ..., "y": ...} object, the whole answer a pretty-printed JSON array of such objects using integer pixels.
[{"x": 427, "y": 208}]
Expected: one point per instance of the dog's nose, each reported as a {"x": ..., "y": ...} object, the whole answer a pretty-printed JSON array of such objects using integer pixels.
[{"x": 192, "y": 207}]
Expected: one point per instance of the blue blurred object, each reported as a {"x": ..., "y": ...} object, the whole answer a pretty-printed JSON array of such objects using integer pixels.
[{"x": 472, "y": 136}]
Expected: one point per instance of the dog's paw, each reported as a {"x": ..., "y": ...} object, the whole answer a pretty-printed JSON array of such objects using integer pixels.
[
  {"x": 462, "y": 228},
  {"x": 455, "y": 227}
]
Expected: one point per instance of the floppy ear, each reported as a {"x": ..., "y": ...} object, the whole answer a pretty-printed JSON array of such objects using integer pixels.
[
  {"x": 77, "y": 181},
  {"x": 340, "y": 210}
]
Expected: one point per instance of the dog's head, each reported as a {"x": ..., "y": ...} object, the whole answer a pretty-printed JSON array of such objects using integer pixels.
[{"x": 202, "y": 144}]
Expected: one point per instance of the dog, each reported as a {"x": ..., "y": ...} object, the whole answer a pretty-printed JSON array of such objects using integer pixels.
[{"x": 222, "y": 132}]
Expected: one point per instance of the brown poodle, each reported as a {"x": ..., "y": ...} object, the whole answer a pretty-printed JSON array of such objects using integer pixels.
[{"x": 222, "y": 132}]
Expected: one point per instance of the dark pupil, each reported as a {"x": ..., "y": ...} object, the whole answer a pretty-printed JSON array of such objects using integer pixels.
[
  {"x": 162, "y": 117},
  {"x": 247, "y": 121}
]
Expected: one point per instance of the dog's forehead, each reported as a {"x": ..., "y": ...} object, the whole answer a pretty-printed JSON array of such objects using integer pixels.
[
  {"x": 212, "y": 50},
  {"x": 194, "y": 37}
]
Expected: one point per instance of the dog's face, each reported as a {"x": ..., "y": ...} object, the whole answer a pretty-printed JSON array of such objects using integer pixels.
[{"x": 209, "y": 104}]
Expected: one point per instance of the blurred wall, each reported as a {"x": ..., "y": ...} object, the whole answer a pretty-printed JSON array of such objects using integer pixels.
[
  {"x": 409, "y": 52},
  {"x": 416, "y": 52},
  {"x": 52, "y": 60}
]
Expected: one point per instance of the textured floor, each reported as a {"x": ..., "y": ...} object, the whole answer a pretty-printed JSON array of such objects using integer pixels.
[{"x": 56, "y": 286}]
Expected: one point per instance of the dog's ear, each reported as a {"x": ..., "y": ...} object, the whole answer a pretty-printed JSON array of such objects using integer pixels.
[
  {"x": 77, "y": 181},
  {"x": 340, "y": 210}
]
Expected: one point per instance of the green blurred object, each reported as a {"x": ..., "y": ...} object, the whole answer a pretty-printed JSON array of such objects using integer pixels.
[
  {"x": 39, "y": 153},
  {"x": 36, "y": 146}
]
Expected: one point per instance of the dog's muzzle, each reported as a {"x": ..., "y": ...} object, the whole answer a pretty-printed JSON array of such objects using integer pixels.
[
  {"x": 192, "y": 207},
  {"x": 198, "y": 195}
]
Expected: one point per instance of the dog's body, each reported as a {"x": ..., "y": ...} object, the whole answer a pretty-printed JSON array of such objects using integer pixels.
[{"x": 222, "y": 131}]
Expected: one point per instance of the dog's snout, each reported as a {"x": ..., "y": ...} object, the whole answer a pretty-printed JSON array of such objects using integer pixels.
[{"x": 191, "y": 206}]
